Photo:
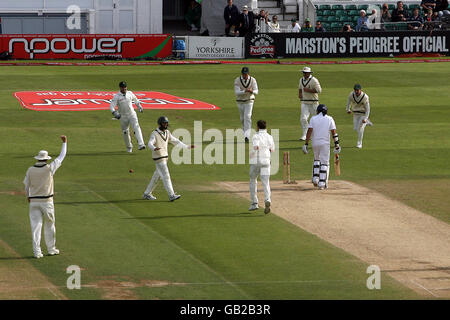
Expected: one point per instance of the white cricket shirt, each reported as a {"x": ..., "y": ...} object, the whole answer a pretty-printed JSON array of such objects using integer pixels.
[
  {"x": 264, "y": 142},
  {"x": 124, "y": 102},
  {"x": 321, "y": 126}
]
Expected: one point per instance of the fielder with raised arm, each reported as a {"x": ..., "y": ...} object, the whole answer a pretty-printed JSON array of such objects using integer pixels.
[
  {"x": 124, "y": 99},
  {"x": 308, "y": 92},
  {"x": 39, "y": 191},
  {"x": 245, "y": 88},
  {"x": 319, "y": 130},
  {"x": 358, "y": 103},
  {"x": 159, "y": 143},
  {"x": 262, "y": 146}
]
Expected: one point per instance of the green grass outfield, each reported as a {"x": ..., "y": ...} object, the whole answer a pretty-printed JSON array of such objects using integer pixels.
[{"x": 207, "y": 242}]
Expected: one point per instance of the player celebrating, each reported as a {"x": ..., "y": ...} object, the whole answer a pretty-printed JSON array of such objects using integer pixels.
[
  {"x": 245, "y": 88},
  {"x": 158, "y": 143},
  {"x": 124, "y": 100},
  {"x": 358, "y": 103},
  {"x": 308, "y": 92},
  {"x": 39, "y": 191},
  {"x": 263, "y": 145},
  {"x": 319, "y": 133}
]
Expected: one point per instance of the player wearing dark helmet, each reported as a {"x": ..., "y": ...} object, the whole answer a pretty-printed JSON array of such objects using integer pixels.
[
  {"x": 158, "y": 144},
  {"x": 319, "y": 130}
]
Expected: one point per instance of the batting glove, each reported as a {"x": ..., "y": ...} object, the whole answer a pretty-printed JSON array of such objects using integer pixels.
[
  {"x": 337, "y": 149},
  {"x": 116, "y": 114},
  {"x": 305, "y": 149},
  {"x": 140, "y": 109}
]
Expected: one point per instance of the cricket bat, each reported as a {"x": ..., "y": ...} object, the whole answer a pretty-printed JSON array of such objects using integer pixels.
[{"x": 337, "y": 165}]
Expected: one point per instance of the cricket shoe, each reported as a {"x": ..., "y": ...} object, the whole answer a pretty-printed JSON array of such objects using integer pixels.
[
  {"x": 359, "y": 145},
  {"x": 369, "y": 123},
  {"x": 174, "y": 197},
  {"x": 39, "y": 255},
  {"x": 253, "y": 206},
  {"x": 129, "y": 150},
  {"x": 302, "y": 139},
  {"x": 142, "y": 147},
  {"x": 267, "y": 207},
  {"x": 53, "y": 252},
  {"x": 315, "y": 182},
  {"x": 148, "y": 196}
]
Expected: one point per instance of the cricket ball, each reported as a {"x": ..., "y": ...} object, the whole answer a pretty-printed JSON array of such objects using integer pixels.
[{"x": 131, "y": 171}]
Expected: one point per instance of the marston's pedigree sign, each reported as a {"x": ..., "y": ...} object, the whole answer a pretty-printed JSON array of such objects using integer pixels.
[
  {"x": 100, "y": 100},
  {"x": 356, "y": 44},
  {"x": 86, "y": 46}
]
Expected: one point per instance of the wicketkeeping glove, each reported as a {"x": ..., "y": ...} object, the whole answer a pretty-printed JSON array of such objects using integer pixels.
[
  {"x": 140, "y": 109},
  {"x": 305, "y": 149},
  {"x": 337, "y": 149},
  {"x": 116, "y": 114}
]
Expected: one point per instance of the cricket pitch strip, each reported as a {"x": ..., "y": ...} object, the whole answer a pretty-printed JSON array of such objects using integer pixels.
[{"x": 410, "y": 246}]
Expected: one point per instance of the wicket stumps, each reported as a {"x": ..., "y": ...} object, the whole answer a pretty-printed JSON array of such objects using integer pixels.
[{"x": 287, "y": 168}]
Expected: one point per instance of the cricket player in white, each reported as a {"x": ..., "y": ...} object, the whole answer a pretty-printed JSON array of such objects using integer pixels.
[
  {"x": 262, "y": 146},
  {"x": 124, "y": 100},
  {"x": 158, "y": 143},
  {"x": 39, "y": 191},
  {"x": 358, "y": 103},
  {"x": 308, "y": 92},
  {"x": 245, "y": 88},
  {"x": 319, "y": 132}
]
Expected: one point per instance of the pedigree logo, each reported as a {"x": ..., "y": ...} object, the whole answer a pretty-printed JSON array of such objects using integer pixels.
[
  {"x": 262, "y": 45},
  {"x": 59, "y": 45}
]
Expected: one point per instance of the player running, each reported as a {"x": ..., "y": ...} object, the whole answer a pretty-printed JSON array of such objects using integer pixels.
[{"x": 358, "y": 103}]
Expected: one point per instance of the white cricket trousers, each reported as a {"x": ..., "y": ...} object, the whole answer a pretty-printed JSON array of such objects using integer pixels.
[
  {"x": 359, "y": 126},
  {"x": 322, "y": 162},
  {"x": 161, "y": 172},
  {"x": 125, "y": 123},
  {"x": 42, "y": 213},
  {"x": 263, "y": 171},
  {"x": 245, "y": 115},
  {"x": 307, "y": 109}
]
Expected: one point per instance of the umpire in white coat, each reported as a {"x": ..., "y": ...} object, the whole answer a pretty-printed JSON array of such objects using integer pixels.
[
  {"x": 319, "y": 130},
  {"x": 39, "y": 191},
  {"x": 124, "y": 100},
  {"x": 262, "y": 146},
  {"x": 245, "y": 88}
]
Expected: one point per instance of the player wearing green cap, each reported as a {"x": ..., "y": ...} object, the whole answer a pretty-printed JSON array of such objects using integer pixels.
[{"x": 358, "y": 104}]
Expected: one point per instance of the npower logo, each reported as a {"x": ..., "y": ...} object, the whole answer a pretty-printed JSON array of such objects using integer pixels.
[{"x": 65, "y": 45}]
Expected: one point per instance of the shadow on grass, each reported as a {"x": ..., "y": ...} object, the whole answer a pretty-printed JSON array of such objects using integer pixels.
[
  {"x": 106, "y": 201},
  {"x": 17, "y": 258},
  {"x": 95, "y": 154},
  {"x": 219, "y": 215}
]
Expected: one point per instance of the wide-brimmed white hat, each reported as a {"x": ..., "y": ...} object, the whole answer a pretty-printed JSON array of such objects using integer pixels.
[
  {"x": 43, "y": 155},
  {"x": 307, "y": 69}
]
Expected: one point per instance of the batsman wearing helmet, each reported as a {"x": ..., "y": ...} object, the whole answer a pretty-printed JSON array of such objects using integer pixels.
[
  {"x": 158, "y": 144},
  {"x": 124, "y": 100},
  {"x": 245, "y": 88},
  {"x": 319, "y": 132},
  {"x": 358, "y": 104}
]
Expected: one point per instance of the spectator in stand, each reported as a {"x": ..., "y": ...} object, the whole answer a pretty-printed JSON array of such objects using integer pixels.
[
  {"x": 231, "y": 16},
  {"x": 442, "y": 8},
  {"x": 246, "y": 22},
  {"x": 428, "y": 25},
  {"x": 319, "y": 27},
  {"x": 274, "y": 26},
  {"x": 307, "y": 27},
  {"x": 428, "y": 4},
  {"x": 435, "y": 19},
  {"x": 362, "y": 22},
  {"x": 373, "y": 21},
  {"x": 415, "y": 22},
  {"x": 262, "y": 20},
  {"x": 193, "y": 15},
  {"x": 399, "y": 14},
  {"x": 385, "y": 15},
  {"x": 347, "y": 28},
  {"x": 294, "y": 26}
]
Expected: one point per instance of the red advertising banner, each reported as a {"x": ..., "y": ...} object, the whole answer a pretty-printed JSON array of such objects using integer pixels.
[
  {"x": 86, "y": 46},
  {"x": 100, "y": 100}
]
